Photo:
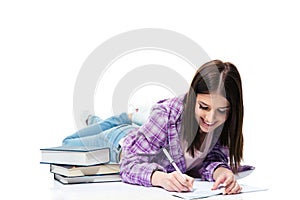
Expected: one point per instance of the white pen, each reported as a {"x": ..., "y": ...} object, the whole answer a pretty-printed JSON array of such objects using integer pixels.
[{"x": 172, "y": 162}]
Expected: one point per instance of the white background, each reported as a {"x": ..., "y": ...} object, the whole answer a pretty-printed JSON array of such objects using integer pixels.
[{"x": 44, "y": 44}]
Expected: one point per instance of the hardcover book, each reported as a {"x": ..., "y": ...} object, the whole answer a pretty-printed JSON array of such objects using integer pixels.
[
  {"x": 88, "y": 179},
  {"x": 73, "y": 170},
  {"x": 70, "y": 155}
]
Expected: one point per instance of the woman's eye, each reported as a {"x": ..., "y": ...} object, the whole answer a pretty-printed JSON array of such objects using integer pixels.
[
  {"x": 203, "y": 107},
  {"x": 222, "y": 111}
]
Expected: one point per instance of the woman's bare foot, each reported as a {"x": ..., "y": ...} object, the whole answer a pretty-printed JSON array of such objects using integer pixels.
[{"x": 130, "y": 116}]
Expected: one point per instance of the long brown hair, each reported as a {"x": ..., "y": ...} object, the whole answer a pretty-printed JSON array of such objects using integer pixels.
[{"x": 224, "y": 78}]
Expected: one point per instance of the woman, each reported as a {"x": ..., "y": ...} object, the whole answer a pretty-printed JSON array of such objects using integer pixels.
[{"x": 202, "y": 131}]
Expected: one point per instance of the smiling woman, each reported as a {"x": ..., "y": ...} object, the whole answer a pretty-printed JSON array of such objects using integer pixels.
[{"x": 202, "y": 131}]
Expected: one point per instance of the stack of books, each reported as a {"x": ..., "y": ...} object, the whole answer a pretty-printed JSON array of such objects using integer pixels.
[{"x": 71, "y": 165}]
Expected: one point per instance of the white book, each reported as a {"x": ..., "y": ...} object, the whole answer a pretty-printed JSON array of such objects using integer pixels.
[
  {"x": 88, "y": 179},
  {"x": 73, "y": 170}
]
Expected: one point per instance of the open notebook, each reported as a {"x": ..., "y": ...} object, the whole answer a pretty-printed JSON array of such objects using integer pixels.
[{"x": 202, "y": 189}]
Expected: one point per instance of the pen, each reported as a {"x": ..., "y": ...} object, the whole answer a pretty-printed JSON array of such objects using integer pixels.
[{"x": 172, "y": 162}]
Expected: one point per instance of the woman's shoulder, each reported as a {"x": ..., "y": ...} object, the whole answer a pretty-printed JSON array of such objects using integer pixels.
[
  {"x": 172, "y": 106},
  {"x": 172, "y": 103},
  {"x": 174, "y": 100}
]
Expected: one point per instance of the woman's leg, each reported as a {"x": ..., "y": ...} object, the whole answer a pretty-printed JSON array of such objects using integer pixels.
[
  {"x": 108, "y": 138},
  {"x": 99, "y": 127},
  {"x": 93, "y": 119}
]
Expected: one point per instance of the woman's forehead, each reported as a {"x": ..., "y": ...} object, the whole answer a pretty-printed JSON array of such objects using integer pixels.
[{"x": 212, "y": 99}]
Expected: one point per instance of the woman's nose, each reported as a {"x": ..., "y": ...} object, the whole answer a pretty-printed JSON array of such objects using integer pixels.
[{"x": 210, "y": 116}]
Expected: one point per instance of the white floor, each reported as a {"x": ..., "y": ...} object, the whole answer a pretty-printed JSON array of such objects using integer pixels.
[
  {"x": 38, "y": 183},
  {"x": 47, "y": 188},
  {"x": 119, "y": 190}
]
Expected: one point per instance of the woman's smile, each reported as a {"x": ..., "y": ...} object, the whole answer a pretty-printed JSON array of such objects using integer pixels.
[{"x": 206, "y": 126}]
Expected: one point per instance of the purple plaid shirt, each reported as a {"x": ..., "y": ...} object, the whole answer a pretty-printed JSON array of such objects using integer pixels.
[{"x": 142, "y": 148}]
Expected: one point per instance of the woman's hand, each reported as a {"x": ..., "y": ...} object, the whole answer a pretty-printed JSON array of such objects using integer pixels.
[
  {"x": 172, "y": 181},
  {"x": 226, "y": 177}
]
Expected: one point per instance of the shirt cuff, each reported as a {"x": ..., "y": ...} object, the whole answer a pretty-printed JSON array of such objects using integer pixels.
[
  {"x": 141, "y": 174},
  {"x": 148, "y": 175},
  {"x": 208, "y": 175}
]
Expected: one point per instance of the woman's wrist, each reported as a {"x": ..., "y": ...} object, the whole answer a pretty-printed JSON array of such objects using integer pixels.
[
  {"x": 218, "y": 171},
  {"x": 156, "y": 178}
]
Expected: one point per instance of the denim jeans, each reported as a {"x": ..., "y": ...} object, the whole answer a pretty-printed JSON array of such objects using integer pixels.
[
  {"x": 108, "y": 132},
  {"x": 102, "y": 133}
]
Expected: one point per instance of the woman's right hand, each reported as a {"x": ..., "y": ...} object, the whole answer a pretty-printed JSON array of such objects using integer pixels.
[{"x": 173, "y": 181}]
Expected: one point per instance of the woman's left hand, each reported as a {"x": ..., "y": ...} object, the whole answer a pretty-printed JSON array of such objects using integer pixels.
[{"x": 226, "y": 177}]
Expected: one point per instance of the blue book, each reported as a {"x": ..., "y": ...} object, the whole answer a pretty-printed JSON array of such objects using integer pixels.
[{"x": 71, "y": 155}]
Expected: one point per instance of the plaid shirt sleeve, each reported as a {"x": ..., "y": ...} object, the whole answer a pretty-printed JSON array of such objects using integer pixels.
[
  {"x": 217, "y": 157},
  {"x": 141, "y": 145}
]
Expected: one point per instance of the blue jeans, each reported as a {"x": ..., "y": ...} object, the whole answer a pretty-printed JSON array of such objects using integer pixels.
[{"x": 103, "y": 133}]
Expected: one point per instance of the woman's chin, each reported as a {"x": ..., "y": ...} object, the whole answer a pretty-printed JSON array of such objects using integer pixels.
[{"x": 206, "y": 128}]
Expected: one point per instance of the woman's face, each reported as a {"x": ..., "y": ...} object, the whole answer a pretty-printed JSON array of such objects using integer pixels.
[{"x": 211, "y": 111}]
